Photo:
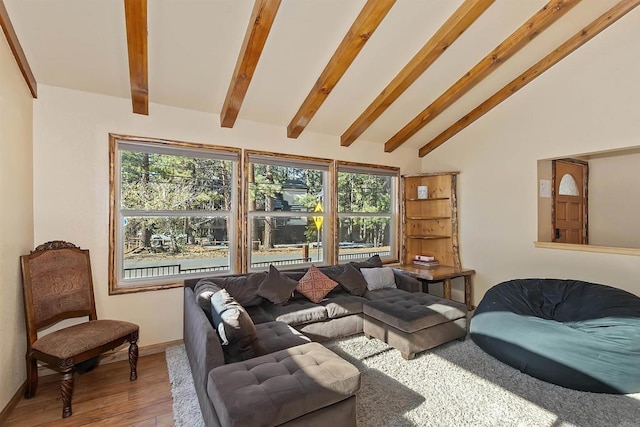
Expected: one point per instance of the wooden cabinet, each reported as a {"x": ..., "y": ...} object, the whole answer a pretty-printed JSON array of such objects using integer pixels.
[{"x": 430, "y": 225}]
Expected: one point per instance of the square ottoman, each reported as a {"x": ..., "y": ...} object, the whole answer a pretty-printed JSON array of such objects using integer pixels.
[
  {"x": 306, "y": 385},
  {"x": 415, "y": 322}
]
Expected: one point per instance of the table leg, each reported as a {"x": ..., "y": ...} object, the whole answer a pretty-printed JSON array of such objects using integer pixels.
[{"x": 447, "y": 288}]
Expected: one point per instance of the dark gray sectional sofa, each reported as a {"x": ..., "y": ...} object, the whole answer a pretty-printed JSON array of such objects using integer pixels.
[{"x": 281, "y": 327}]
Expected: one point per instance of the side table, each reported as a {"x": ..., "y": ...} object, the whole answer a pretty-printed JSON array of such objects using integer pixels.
[{"x": 444, "y": 274}]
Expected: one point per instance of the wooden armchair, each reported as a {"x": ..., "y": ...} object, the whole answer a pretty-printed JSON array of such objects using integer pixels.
[{"x": 57, "y": 284}]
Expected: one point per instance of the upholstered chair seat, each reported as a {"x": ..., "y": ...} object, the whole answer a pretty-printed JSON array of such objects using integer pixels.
[{"x": 69, "y": 342}]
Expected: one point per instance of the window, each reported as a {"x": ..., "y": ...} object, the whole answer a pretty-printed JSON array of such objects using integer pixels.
[
  {"x": 287, "y": 208},
  {"x": 367, "y": 214},
  {"x": 612, "y": 200},
  {"x": 173, "y": 212}
]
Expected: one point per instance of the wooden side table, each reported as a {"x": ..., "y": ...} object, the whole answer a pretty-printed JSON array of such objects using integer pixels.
[{"x": 444, "y": 274}]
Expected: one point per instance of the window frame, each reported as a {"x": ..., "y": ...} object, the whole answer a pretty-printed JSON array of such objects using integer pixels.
[
  {"x": 394, "y": 227},
  {"x": 281, "y": 159},
  {"x": 117, "y": 283}
]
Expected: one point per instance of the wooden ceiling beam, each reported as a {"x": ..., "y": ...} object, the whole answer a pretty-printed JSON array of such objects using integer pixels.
[
  {"x": 135, "y": 12},
  {"x": 262, "y": 17},
  {"x": 361, "y": 30},
  {"x": 449, "y": 32},
  {"x": 587, "y": 33},
  {"x": 546, "y": 16},
  {"x": 16, "y": 49}
]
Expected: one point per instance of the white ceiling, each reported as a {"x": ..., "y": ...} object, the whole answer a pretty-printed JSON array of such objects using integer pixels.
[{"x": 194, "y": 44}]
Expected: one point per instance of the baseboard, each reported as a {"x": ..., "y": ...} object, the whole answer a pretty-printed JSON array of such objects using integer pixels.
[{"x": 4, "y": 415}]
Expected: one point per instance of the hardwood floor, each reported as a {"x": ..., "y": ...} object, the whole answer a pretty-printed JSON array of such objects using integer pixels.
[{"x": 103, "y": 397}]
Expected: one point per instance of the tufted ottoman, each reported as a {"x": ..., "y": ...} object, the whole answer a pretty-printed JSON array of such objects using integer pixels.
[
  {"x": 303, "y": 385},
  {"x": 416, "y": 322}
]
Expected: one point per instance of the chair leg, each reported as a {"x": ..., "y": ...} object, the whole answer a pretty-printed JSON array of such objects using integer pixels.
[
  {"x": 32, "y": 377},
  {"x": 133, "y": 360},
  {"x": 66, "y": 390}
]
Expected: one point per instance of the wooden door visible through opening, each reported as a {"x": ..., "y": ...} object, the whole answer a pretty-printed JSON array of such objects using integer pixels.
[{"x": 569, "y": 213}]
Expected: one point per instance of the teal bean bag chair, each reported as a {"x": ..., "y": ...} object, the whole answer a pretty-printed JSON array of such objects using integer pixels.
[{"x": 578, "y": 335}]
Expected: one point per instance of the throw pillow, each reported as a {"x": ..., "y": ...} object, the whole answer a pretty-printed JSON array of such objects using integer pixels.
[
  {"x": 276, "y": 287},
  {"x": 372, "y": 262},
  {"x": 379, "y": 278},
  {"x": 242, "y": 287},
  {"x": 315, "y": 285},
  {"x": 233, "y": 323},
  {"x": 352, "y": 280},
  {"x": 204, "y": 290}
]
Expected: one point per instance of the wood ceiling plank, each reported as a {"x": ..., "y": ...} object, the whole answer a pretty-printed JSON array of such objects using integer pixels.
[
  {"x": 457, "y": 23},
  {"x": 136, "y": 20},
  {"x": 587, "y": 33},
  {"x": 361, "y": 30},
  {"x": 546, "y": 16},
  {"x": 262, "y": 17},
  {"x": 16, "y": 49}
]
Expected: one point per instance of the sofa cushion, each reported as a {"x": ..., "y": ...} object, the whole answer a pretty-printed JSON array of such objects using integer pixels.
[
  {"x": 315, "y": 285},
  {"x": 414, "y": 312},
  {"x": 282, "y": 386},
  {"x": 379, "y": 278},
  {"x": 276, "y": 287},
  {"x": 297, "y": 312},
  {"x": 258, "y": 314},
  {"x": 384, "y": 293},
  {"x": 343, "y": 305},
  {"x": 275, "y": 336},
  {"x": 352, "y": 280},
  {"x": 234, "y": 326},
  {"x": 244, "y": 288}
]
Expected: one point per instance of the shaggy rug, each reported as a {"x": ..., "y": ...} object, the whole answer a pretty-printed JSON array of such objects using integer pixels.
[{"x": 456, "y": 384}]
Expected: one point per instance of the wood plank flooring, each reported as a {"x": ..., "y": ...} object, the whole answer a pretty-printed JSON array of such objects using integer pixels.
[{"x": 103, "y": 397}]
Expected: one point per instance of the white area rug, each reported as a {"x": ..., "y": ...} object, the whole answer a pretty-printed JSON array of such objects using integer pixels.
[{"x": 456, "y": 384}]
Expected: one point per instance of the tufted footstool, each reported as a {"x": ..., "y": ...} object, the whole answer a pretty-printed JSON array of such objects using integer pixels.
[
  {"x": 303, "y": 385},
  {"x": 416, "y": 322}
]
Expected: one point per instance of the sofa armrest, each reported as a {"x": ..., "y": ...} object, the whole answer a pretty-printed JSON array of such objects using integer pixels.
[
  {"x": 406, "y": 282},
  {"x": 204, "y": 350}
]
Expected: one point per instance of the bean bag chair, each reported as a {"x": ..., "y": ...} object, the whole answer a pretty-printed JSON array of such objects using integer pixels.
[{"x": 578, "y": 335}]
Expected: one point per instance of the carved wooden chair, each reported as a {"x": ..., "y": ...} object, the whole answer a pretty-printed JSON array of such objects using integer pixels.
[{"x": 57, "y": 284}]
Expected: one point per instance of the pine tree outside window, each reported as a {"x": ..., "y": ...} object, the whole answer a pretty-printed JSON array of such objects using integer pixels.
[
  {"x": 367, "y": 212},
  {"x": 173, "y": 212}
]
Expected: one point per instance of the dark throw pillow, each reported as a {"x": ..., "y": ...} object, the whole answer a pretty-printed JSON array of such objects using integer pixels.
[
  {"x": 373, "y": 262},
  {"x": 315, "y": 285},
  {"x": 352, "y": 280},
  {"x": 234, "y": 325},
  {"x": 276, "y": 287}
]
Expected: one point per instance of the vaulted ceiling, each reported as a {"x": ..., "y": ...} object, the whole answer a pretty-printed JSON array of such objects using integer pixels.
[{"x": 398, "y": 73}]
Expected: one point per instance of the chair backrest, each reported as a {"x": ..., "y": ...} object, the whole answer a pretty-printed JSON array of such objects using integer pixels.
[{"x": 57, "y": 284}]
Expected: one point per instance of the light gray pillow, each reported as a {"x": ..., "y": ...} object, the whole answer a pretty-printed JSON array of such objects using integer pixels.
[
  {"x": 231, "y": 320},
  {"x": 379, "y": 278}
]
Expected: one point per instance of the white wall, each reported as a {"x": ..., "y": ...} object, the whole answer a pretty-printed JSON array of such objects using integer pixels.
[
  {"x": 614, "y": 200},
  {"x": 588, "y": 102},
  {"x": 71, "y": 181},
  {"x": 16, "y": 217}
]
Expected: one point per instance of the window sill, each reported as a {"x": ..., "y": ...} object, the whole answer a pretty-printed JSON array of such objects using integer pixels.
[{"x": 588, "y": 248}]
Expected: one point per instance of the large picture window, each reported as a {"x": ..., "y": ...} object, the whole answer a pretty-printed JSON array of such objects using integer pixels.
[
  {"x": 174, "y": 212},
  {"x": 287, "y": 205},
  {"x": 367, "y": 212}
]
